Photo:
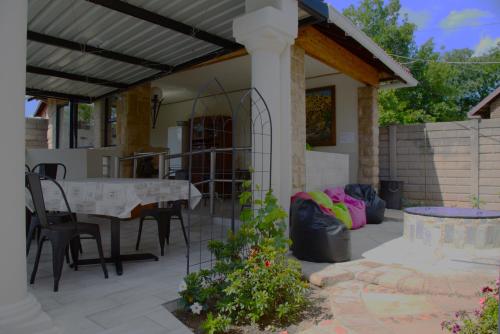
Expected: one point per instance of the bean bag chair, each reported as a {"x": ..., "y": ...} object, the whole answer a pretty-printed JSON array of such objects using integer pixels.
[
  {"x": 375, "y": 206},
  {"x": 339, "y": 209},
  {"x": 356, "y": 207},
  {"x": 316, "y": 236},
  {"x": 304, "y": 195}
]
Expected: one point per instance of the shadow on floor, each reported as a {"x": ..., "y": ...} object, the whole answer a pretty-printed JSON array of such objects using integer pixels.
[{"x": 363, "y": 240}]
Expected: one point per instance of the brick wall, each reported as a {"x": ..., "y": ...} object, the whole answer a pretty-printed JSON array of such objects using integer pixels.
[
  {"x": 36, "y": 132},
  {"x": 368, "y": 136},
  {"x": 495, "y": 108},
  {"x": 298, "y": 95}
]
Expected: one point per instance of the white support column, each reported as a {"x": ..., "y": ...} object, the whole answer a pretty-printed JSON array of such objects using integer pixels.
[
  {"x": 267, "y": 30},
  {"x": 20, "y": 313}
]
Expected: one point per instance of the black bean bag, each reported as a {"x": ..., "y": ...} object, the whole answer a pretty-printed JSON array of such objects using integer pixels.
[
  {"x": 317, "y": 236},
  {"x": 375, "y": 206}
]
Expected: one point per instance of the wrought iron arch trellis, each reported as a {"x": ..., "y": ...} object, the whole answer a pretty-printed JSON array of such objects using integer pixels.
[{"x": 227, "y": 145}]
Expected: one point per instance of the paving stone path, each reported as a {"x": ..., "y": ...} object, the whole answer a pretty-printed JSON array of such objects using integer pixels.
[{"x": 372, "y": 298}]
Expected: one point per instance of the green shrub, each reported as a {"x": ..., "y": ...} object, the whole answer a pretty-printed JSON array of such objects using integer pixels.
[
  {"x": 252, "y": 281},
  {"x": 483, "y": 320},
  {"x": 267, "y": 290}
]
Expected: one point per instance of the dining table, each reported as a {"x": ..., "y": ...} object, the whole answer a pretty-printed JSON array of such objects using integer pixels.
[{"x": 114, "y": 199}]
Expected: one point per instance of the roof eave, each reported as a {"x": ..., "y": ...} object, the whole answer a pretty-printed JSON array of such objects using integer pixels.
[
  {"x": 476, "y": 111},
  {"x": 405, "y": 78}
]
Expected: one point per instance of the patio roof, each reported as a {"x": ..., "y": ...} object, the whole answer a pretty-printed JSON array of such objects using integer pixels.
[{"x": 87, "y": 49}]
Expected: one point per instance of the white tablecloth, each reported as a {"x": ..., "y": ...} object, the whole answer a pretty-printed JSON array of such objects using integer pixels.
[{"x": 114, "y": 197}]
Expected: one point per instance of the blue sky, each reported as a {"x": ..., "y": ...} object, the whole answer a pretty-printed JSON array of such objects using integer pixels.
[{"x": 452, "y": 23}]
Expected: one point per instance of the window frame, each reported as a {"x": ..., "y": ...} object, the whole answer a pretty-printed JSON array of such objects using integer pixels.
[{"x": 108, "y": 121}]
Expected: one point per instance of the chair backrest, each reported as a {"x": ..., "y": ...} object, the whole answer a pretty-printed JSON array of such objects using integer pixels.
[
  {"x": 181, "y": 174},
  {"x": 49, "y": 169},
  {"x": 27, "y": 168},
  {"x": 34, "y": 184}
]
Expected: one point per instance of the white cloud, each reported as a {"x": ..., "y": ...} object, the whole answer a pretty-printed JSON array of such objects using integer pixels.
[
  {"x": 484, "y": 45},
  {"x": 466, "y": 17},
  {"x": 419, "y": 17}
]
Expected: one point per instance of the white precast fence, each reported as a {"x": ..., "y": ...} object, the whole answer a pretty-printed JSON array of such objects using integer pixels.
[{"x": 448, "y": 163}]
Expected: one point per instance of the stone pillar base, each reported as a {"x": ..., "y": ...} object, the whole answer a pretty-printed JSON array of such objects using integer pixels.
[{"x": 26, "y": 317}]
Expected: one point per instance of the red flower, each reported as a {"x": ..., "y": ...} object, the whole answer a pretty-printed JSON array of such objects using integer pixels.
[
  {"x": 487, "y": 289},
  {"x": 267, "y": 263}
]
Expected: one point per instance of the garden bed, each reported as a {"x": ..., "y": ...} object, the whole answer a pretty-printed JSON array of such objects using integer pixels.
[{"x": 317, "y": 311}]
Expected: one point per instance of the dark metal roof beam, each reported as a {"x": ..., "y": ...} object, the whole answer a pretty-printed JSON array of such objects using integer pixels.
[
  {"x": 75, "y": 46},
  {"x": 58, "y": 95},
  {"x": 183, "y": 66},
  {"x": 75, "y": 77},
  {"x": 315, "y": 8},
  {"x": 151, "y": 17}
]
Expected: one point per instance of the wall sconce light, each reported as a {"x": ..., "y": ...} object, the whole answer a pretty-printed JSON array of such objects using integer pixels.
[{"x": 156, "y": 100}]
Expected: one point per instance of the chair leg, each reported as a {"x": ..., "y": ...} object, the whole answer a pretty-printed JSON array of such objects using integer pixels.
[
  {"x": 59, "y": 248},
  {"x": 28, "y": 221},
  {"x": 139, "y": 234},
  {"x": 37, "y": 260},
  {"x": 66, "y": 254},
  {"x": 101, "y": 254},
  {"x": 73, "y": 246},
  {"x": 161, "y": 232},
  {"x": 167, "y": 228},
  {"x": 80, "y": 248},
  {"x": 29, "y": 238},
  {"x": 183, "y": 229}
]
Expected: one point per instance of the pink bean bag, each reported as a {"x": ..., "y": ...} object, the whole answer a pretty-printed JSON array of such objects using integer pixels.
[
  {"x": 355, "y": 206},
  {"x": 304, "y": 195}
]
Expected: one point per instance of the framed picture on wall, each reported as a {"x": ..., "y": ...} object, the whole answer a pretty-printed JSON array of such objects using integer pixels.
[{"x": 320, "y": 116}]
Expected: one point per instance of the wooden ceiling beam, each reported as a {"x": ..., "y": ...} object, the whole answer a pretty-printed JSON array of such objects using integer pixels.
[{"x": 322, "y": 48}]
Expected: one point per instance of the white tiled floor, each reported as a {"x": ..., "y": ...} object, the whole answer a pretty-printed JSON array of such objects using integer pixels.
[{"x": 132, "y": 303}]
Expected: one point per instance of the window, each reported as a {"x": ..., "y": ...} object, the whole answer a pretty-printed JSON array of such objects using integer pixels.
[
  {"x": 110, "y": 122},
  {"x": 85, "y": 126}
]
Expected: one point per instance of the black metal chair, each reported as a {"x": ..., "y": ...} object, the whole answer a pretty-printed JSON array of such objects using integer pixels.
[
  {"x": 49, "y": 169},
  {"x": 60, "y": 235},
  {"x": 163, "y": 216},
  {"x": 28, "y": 212}
]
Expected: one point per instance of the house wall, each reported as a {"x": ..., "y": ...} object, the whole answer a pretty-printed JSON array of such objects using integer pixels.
[
  {"x": 36, "y": 132},
  {"x": 171, "y": 113},
  {"x": 346, "y": 104},
  {"x": 324, "y": 170},
  {"x": 80, "y": 163},
  {"x": 75, "y": 160},
  {"x": 448, "y": 163},
  {"x": 495, "y": 108},
  {"x": 298, "y": 118}
]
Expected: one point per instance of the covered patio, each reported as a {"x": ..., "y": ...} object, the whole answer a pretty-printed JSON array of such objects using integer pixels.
[
  {"x": 134, "y": 302},
  {"x": 115, "y": 55}
]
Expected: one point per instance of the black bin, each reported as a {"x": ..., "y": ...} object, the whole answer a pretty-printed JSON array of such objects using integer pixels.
[{"x": 392, "y": 193}]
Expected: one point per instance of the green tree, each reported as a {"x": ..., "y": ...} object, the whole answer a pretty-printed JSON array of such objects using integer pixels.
[
  {"x": 446, "y": 90},
  {"x": 385, "y": 25}
]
